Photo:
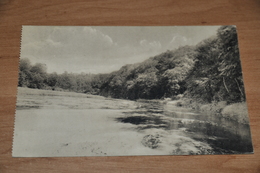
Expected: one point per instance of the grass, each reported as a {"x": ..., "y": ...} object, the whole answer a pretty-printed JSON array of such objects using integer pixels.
[{"x": 41, "y": 92}]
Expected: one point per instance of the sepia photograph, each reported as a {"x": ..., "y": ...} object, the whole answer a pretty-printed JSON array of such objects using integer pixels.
[{"x": 130, "y": 91}]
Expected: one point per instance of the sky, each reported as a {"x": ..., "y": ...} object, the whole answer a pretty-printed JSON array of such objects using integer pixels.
[{"x": 103, "y": 49}]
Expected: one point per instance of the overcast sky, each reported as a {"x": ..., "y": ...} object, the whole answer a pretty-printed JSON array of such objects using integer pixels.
[{"x": 100, "y": 49}]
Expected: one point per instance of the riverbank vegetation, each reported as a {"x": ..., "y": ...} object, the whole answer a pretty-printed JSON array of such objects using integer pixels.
[{"x": 205, "y": 77}]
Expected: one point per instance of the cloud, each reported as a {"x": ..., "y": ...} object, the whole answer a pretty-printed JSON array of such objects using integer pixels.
[
  {"x": 178, "y": 41},
  {"x": 67, "y": 47},
  {"x": 52, "y": 43},
  {"x": 102, "y": 49},
  {"x": 84, "y": 37},
  {"x": 154, "y": 45},
  {"x": 92, "y": 33}
]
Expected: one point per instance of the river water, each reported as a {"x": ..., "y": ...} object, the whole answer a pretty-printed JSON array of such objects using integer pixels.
[
  {"x": 51, "y": 123},
  {"x": 225, "y": 136}
]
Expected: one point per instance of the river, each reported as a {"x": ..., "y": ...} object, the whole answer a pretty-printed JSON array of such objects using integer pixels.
[{"x": 52, "y": 124}]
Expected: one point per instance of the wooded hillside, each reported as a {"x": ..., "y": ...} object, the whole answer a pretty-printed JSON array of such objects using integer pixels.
[{"x": 209, "y": 71}]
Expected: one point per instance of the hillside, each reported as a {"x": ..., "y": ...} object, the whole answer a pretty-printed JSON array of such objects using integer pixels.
[
  {"x": 160, "y": 76},
  {"x": 207, "y": 72}
]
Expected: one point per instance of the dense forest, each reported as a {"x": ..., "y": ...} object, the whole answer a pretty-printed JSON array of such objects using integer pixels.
[{"x": 207, "y": 72}]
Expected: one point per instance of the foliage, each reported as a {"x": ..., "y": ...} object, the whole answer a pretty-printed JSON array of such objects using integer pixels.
[
  {"x": 160, "y": 76},
  {"x": 207, "y": 73},
  {"x": 36, "y": 76},
  {"x": 32, "y": 76},
  {"x": 24, "y": 73},
  {"x": 217, "y": 74}
]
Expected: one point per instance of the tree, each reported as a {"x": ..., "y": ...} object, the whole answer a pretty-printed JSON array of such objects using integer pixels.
[
  {"x": 39, "y": 69},
  {"x": 37, "y": 81},
  {"x": 38, "y": 76},
  {"x": 145, "y": 85},
  {"x": 230, "y": 67},
  {"x": 52, "y": 79},
  {"x": 67, "y": 81},
  {"x": 24, "y": 72},
  {"x": 203, "y": 80}
]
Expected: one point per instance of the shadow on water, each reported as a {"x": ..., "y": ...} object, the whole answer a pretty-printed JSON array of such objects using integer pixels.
[{"x": 225, "y": 136}]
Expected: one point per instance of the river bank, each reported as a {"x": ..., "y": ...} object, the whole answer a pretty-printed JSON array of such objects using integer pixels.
[{"x": 235, "y": 111}]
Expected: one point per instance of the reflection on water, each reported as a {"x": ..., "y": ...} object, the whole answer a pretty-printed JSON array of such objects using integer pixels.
[{"x": 225, "y": 136}]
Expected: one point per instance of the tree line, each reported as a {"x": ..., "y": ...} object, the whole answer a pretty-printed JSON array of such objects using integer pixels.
[
  {"x": 209, "y": 71},
  {"x": 36, "y": 76}
]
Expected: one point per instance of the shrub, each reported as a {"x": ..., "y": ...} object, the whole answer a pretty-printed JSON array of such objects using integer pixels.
[
  {"x": 177, "y": 97},
  {"x": 191, "y": 103},
  {"x": 237, "y": 112},
  {"x": 213, "y": 108}
]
